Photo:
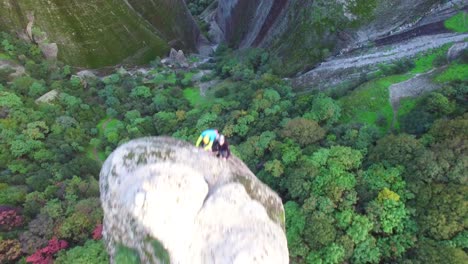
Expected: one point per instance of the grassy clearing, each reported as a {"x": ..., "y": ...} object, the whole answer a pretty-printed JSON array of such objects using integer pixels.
[
  {"x": 193, "y": 96},
  {"x": 106, "y": 125},
  {"x": 100, "y": 154},
  {"x": 4, "y": 56},
  {"x": 453, "y": 73},
  {"x": 458, "y": 23},
  {"x": 425, "y": 62},
  {"x": 406, "y": 105},
  {"x": 370, "y": 102}
]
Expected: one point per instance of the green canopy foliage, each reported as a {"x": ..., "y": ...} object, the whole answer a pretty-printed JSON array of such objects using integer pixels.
[{"x": 351, "y": 193}]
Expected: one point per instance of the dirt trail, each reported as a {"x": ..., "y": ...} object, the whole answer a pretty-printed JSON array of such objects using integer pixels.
[
  {"x": 96, "y": 156},
  {"x": 104, "y": 124},
  {"x": 413, "y": 87},
  {"x": 94, "y": 150}
]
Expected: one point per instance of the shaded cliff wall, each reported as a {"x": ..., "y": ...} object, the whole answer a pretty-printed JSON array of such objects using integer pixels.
[
  {"x": 170, "y": 18},
  {"x": 304, "y": 32},
  {"x": 245, "y": 23}
]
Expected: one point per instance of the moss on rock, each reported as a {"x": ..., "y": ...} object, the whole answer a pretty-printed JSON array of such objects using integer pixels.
[
  {"x": 125, "y": 255},
  {"x": 99, "y": 33},
  {"x": 161, "y": 252}
]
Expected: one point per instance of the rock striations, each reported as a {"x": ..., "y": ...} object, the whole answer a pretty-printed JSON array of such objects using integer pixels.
[{"x": 169, "y": 202}]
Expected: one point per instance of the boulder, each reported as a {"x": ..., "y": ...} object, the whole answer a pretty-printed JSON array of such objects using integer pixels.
[
  {"x": 176, "y": 59},
  {"x": 49, "y": 50},
  {"x": 14, "y": 69},
  {"x": 172, "y": 54},
  {"x": 166, "y": 201},
  {"x": 86, "y": 74},
  {"x": 180, "y": 58},
  {"x": 48, "y": 97}
]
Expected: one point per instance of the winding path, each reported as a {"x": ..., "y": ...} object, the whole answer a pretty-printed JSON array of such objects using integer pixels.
[{"x": 414, "y": 87}]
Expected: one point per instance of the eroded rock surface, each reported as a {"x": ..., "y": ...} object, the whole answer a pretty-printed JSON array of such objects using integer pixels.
[
  {"x": 456, "y": 50},
  {"x": 348, "y": 69},
  {"x": 170, "y": 201},
  {"x": 414, "y": 87},
  {"x": 302, "y": 32}
]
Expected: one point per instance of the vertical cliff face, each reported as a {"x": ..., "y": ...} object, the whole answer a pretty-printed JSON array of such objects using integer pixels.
[
  {"x": 246, "y": 23},
  {"x": 98, "y": 33},
  {"x": 304, "y": 32},
  {"x": 171, "y": 19}
]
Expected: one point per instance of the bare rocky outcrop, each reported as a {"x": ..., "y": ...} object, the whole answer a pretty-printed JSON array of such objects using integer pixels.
[
  {"x": 14, "y": 69},
  {"x": 48, "y": 97},
  {"x": 49, "y": 50},
  {"x": 350, "y": 68},
  {"x": 414, "y": 87},
  {"x": 170, "y": 202},
  {"x": 300, "y": 31},
  {"x": 456, "y": 50},
  {"x": 176, "y": 59}
]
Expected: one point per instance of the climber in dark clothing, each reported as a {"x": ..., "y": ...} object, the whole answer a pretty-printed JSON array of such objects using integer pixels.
[{"x": 221, "y": 147}]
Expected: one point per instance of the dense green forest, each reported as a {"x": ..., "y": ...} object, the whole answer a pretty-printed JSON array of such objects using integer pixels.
[{"x": 360, "y": 183}]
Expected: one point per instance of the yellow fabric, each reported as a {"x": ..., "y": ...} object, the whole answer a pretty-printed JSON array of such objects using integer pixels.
[
  {"x": 209, "y": 146},
  {"x": 206, "y": 140},
  {"x": 199, "y": 140}
]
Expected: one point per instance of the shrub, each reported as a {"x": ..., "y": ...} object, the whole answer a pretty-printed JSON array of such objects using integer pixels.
[
  {"x": 40, "y": 230},
  {"x": 324, "y": 110},
  {"x": 222, "y": 92},
  {"x": 303, "y": 131},
  {"x": 417, "y": 122},
  {"x": 13, "y": 195},
  {"x": 464, "y": 56},
  {"x": 9, "y": 219},
  {"x": 97, "y": 233},
  {"x": 10, "y": 250},
  {"x": 92, "y": 252},
  {"x": 33, "y": 203},
  {"x": 44, "y": 255},
  {"x": 196, "y": 7},
  {"x": 76, "y": 227},
  {"x": 91, "y": 208}
]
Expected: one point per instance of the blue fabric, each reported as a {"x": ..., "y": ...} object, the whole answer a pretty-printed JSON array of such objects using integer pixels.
[{"x": 210, "y": 133}]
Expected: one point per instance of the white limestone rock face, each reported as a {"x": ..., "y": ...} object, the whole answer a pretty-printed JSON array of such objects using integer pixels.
[
  {"x": 456, "y": 50},
  {"x": 171, "y": 202}
]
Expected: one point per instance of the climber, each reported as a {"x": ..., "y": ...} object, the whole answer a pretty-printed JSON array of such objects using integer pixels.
[
  {"x": 221, "y": 147},
  {"x": 207, "y": 137}
]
